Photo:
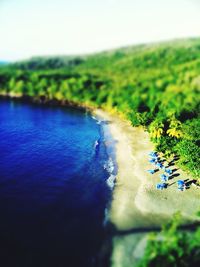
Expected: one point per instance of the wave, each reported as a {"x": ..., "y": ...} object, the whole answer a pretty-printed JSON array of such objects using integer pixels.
[
  {"x": 96, "y": 144},
  {"x": 110, "y": 167},
  {"x": 106, "y": 217},
  {"x": 97, "y": 121},
  {"x": 111, "y": 181}
]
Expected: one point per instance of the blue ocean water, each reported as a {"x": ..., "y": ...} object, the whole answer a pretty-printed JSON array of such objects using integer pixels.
[{"x": 53, "y": 190}]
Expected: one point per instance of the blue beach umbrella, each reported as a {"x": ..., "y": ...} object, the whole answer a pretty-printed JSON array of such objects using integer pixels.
[
  {"x": 180, "y": 182},
  {"x": 168, "y": 171}
]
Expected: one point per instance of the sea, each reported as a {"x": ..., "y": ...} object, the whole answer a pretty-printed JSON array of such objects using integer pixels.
[{"x": 57, "y": 174}]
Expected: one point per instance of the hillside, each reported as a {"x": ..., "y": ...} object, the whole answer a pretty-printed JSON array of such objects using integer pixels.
[{"x": 155, "y": 85}]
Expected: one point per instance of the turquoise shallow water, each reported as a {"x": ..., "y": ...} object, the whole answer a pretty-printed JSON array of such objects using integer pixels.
[{"x": 53, "y": 186}]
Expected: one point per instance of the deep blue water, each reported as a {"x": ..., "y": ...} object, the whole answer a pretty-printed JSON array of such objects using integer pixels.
[{"x": 53, "y": 190}]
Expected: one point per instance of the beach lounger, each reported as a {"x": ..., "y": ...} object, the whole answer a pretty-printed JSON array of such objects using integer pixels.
[
  {"x": 181, "y": 185},
  {"x": 182, "y": 188},
  {"x": 152, "y": 160},
  {"x": 159, "y": 165},
  {"x": 158, "y": 186},
  {"x": 161, "y": 186},
  {"x": 153, "y": 154},
  {"x": 164, "y": 178},
  {"x": 151, "y": 171}
]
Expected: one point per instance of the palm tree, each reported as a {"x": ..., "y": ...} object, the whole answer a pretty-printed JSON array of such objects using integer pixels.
[
  {"x": 156, "y": 129},
  {"x": 175, "y": 128}
]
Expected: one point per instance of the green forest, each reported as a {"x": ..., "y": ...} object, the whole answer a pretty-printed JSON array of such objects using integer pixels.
[
  {"x": 156, "y": 86},
  {"x": 172, "y": 247}
]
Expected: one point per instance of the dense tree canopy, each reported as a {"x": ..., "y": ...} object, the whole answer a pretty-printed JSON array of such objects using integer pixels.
[{"x": 172, "y": 247}]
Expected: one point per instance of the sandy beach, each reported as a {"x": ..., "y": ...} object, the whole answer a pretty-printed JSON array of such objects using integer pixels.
[{"x": 136, "y": 203}]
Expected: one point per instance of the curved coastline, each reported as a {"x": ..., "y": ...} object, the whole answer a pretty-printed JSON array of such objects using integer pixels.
[{"x": 136, "y": 204}]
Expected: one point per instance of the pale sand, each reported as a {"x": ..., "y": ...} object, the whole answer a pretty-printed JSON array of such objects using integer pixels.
[
  {"x": 128, "y": 249},
  {"x": 136, "y": 202}
]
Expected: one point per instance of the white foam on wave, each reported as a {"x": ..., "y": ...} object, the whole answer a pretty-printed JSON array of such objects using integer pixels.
[
  {"x": 97, "y": 120},
  {"x": 109, "y": 166},
  {"x": 106, "y": 216},
  {"x": 96, "y": 143},
  {"x": 94, "y": 118},
  {"x": 111, "y": 181}
]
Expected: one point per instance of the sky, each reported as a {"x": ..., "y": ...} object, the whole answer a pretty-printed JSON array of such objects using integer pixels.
[{"x": 64, "y": 27}]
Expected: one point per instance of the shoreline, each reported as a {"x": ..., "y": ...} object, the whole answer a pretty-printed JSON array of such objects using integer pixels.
[
  {"x": 46, "y": 102},
  {"x": 136, "y": 204}
]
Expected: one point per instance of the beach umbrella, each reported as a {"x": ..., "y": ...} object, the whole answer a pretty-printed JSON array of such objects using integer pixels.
[
  {"x": 180, "y": 182},
  {"x": 163, "y": 168},
  {"x": 168, "y": 171}
]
